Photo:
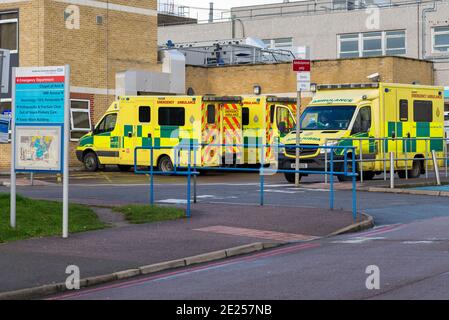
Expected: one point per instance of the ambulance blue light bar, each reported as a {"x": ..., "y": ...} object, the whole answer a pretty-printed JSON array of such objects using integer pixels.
[{"x": 348, "y": 86}]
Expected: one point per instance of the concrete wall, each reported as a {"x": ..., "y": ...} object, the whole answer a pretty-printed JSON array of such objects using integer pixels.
[{"x": 319, "y": 30}]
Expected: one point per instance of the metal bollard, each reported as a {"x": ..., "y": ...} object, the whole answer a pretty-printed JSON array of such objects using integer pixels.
[
  {"x": 385, "y": 159},
  {"x": 194, "y": 177},
  {"x": 391, "y": 170},
  {"x": 361, "y": 159},
  {"x": 325, "y": 161},
  {"x": 435, "y": 165}
]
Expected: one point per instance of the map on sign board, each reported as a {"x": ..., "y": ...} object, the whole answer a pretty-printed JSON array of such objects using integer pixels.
[{"x": 38, "y": 148}]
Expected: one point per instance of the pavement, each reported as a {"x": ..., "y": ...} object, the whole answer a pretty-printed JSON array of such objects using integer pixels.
[{"x": 37, "y": 262}]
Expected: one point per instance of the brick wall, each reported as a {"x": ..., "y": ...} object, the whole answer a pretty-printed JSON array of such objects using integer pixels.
[
  {"x": 278, "y": 78},
  {"x": 95, "y": 52}
]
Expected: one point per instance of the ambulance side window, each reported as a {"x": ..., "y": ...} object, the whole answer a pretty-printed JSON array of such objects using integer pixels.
[
  {"x": 144, "y": 114},
  {"x": 272, "y": 109},
  {"x": 403, "y": 110},
  {"x": 211, "y": 114},
  {"x": 362, "y": 123},
  {"x": 245, "y": 116},
  {"x": 107, "y": 124},
  {"x": 422, "y": 111},
  {"x": 172, "y": 116}
]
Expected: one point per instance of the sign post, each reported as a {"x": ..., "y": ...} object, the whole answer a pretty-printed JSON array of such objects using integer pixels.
[
  {"x": 302, "y": 67},
  {"x": 40, "y": 127}
]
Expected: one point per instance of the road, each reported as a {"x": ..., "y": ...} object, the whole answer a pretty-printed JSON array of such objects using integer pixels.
[
  {"x": 410, "y": 245},
  {"x": 412, "y": 260}
]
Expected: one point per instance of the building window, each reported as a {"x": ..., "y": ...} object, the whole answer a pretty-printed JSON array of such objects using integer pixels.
[
  {"x": 440, "y": 39},
  {"x": 9, "y": 31},
  {"x": 371, "y": 44},
  {"x": 349, "y": 45},
  {"x": 172, "y": 116},
  {"x": 279, "y": 43},
  {"x": 80, "y": 121},
  {"x": 395, "y": 43}
]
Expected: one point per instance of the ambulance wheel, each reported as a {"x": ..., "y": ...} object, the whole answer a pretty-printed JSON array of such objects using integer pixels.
[
  {"x": 290, "y": 177},
  {"x": 416, "y": 169},
  {"x": 368, "y": 175},
  {"x": 124, "y": 168},
  {"x": 343, "y": 178},
  {"x": 91, "y": 162},
  {"x": 165, "y": 164},
  {"x": 414, "y": 173}
]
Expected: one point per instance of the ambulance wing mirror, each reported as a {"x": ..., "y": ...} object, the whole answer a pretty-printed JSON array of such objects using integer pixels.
[{"x": 130, "y": 134}]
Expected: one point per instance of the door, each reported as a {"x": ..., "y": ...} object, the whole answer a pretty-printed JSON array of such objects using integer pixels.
[
  {"x": 143, "y": 136},
  {"x": 210, "y": 132},
  {"x": 390, "y": 110},
  {"x": 231, "y": 132},
  {"x": 366, "y": 147},
  {"x": 404, "y": 131},
  {"x": 105, "y": 138}
]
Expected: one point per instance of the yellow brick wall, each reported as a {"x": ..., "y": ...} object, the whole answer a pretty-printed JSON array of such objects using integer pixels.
[
  {"x": 279, "y": 78},
  {"x": 95, "y": 52}
]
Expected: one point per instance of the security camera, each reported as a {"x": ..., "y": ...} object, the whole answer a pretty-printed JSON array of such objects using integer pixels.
[{"x": 375, "y": 77}]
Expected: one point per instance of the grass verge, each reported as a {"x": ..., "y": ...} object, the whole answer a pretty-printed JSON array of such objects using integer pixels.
[
  {"x": 41, "y": 218},
  {"x": 139, "y": 214}
]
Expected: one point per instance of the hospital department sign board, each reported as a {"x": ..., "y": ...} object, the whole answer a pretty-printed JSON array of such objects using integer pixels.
[{"x": 39, "y": 106}]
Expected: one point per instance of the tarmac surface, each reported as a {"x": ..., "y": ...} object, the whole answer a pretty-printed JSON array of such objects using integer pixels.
[{"x": 410, "y": 243}]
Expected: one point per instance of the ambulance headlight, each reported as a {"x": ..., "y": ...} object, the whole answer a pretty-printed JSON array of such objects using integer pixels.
[
  {"x": 281, "y": 150},
  {"x": 329, "y": 144}
]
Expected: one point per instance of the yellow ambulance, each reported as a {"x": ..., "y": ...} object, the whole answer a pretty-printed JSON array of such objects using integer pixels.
[
  {"x": 165, "y": 122},
  {"x": 376, "y": 119},
  {"x": 265, "y": 121}
]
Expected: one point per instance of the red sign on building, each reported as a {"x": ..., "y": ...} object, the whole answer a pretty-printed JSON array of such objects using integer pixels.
[{"x": 301, "y": 65}]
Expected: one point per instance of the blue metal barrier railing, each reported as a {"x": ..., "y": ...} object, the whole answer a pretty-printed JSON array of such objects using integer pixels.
[{"x": 262, "y": 170}]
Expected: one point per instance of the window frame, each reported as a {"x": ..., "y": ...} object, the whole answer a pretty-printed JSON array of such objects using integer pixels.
[
  {"x": 361, "y": 36},
  {"x": 379, "y": 37},
  {"x": 434, "y": 34},
  {"x": 72, "y": 126},
  {"x": 387, "y": 36},
  {"x": 16, "y": 21},
  {"x": 348, "y": 40}
]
